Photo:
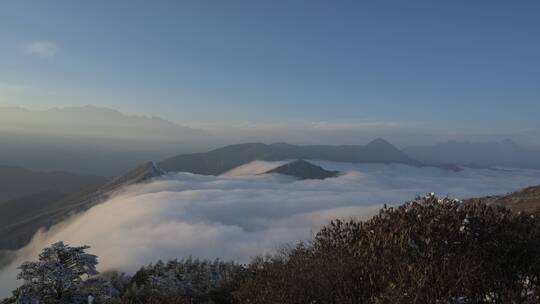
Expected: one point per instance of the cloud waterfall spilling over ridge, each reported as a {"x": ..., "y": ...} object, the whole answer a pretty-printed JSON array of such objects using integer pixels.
[{"x": 237, "y": 217}]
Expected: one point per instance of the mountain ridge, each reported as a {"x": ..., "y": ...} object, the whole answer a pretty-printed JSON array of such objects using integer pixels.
[
  {"x": 18, "y": 232},
  {"x": 17, "y": 182},
  {"x": 221, "y": 160}
]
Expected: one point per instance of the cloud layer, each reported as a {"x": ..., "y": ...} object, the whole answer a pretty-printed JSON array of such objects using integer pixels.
[
  {"x": 237, "y": 217},
  {"x": 41, "y": 49}
]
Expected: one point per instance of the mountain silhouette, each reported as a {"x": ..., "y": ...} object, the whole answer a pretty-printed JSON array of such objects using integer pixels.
[
  {"x": 304, "y": 170},
  {"x": 221, "y": 160}
]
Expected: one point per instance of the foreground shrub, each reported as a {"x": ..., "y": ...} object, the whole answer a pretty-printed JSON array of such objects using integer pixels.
[
  {"x": 426, "y": 251},
  {"x": 62, "y": 274}
]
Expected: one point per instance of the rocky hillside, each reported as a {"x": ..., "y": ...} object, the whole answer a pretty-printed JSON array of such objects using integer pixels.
[{"x": 304, "y": 170}]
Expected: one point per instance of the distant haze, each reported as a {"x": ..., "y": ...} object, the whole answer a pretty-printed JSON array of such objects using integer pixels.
[
  {"x": 95, "y": 122},
  {"x": 504, "y": 153},
  {"x": 91, "y": 140},
  {"x": 95, "y": 140}
]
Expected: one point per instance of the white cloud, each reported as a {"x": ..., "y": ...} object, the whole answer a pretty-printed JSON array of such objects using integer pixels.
[
  {"x": 41, "y": 49},
  {"x": 254, "y": 168},
  {"x": 237, "y": 217}
]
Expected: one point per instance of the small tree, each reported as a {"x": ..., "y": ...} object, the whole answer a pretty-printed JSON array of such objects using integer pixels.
[{"x": 58, "y": 276}]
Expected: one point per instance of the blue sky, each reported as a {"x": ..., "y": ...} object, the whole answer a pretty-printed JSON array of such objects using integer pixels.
[{"x": 469, "y": 63}]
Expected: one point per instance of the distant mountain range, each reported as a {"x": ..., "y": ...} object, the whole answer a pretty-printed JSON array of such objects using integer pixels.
[
  {"x": 95, "y": 122},
  {"x": 35, "y": 200},
  {"x": 477, "y": 154},
  {"x": 91, "y": 140},
  {"x": 221, "y": 160},
  {"x": 53, "y": 197}
]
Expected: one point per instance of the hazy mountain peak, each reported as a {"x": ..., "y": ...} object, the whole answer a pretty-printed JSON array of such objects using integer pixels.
[
  {"x": 510, "y": 143},
  {"x": 94, "y": 121},
  {"x": 379, "y": 142}
]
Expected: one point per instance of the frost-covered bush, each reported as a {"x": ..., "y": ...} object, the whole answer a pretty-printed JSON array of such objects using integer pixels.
[
  {"x": 427, "y": 251},
  {"x": 185, "y": 281},
  {"x": 62, "y": 274}
]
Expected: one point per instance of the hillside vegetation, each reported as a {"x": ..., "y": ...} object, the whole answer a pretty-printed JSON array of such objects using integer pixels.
[{"x": 527, "y": 200}]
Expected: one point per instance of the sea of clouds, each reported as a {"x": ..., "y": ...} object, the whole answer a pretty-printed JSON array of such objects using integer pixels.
[{"x": 243, "y": 213}]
